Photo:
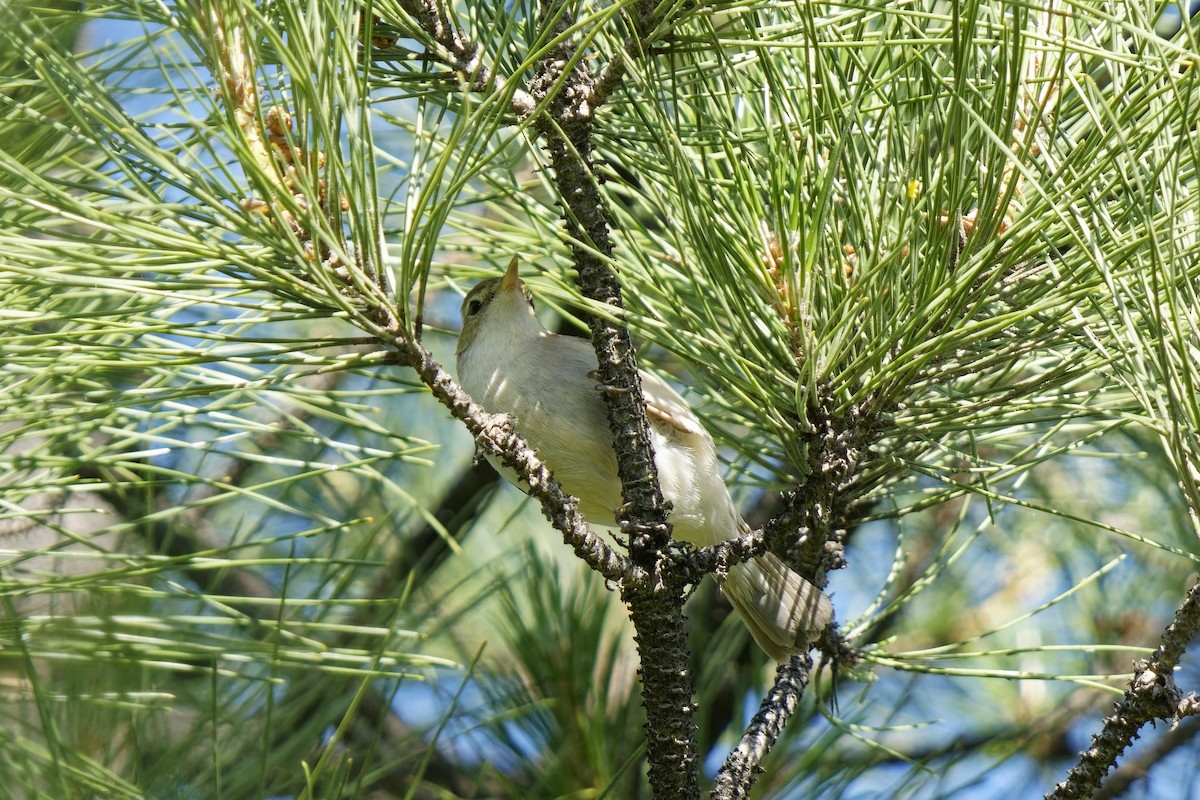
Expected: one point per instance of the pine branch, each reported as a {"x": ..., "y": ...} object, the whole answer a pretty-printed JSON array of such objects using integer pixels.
[
  {"x": 1152, "y": 694},
  {"x": 564, "y": 88},
  {"x": 1135, "y": 769},
  {"x": 460, "y": 53},
  {"x": 656, "y": 603},
  {"x": 811, "y": 524},
  {"x": 495, "y": 436},
  {"x": 645, "y": 18},
  {"x": 742, "y": 766},
  {"x": 369, "y": 308}
]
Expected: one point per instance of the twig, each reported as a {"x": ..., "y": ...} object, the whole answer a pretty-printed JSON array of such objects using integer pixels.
[
  {"x": 495, "y": 436},
  {"x": 1136, "y": 769},
  {"x": 644, "y": 22},
  {"x": 462, "y": 54},
  {"x": 742, "y": 766},
  {"x": 1152, "y": 694}
]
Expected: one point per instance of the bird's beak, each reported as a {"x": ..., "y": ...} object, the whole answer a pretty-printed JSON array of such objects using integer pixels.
[{"x": 510, "y": 280}]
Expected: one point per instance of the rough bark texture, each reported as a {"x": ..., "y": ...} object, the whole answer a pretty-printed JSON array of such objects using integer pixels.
[
  {"x": 1152, "y": 694},
  {"x": 495, "y": 436},
  {"x": 1138, "y": 768},
  {"x": 656, "y": 605},
  {"x": 743, "y": 765}
]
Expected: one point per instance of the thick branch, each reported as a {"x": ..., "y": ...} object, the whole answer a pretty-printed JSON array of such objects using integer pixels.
[
  {"x": 667, "y": 692},
  {"x": 656, "y": 603},
  {"x": 566, "y": 129}
]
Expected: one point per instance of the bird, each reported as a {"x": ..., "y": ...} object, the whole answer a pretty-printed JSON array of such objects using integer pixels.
[{"x": 510, "y": 364}]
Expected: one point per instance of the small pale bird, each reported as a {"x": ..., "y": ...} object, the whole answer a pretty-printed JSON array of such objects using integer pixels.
[{"x": 509, "y": 363}]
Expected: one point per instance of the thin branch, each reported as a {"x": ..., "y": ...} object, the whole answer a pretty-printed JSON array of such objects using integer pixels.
[
  {"x": 647, "y": 17},
  {"x": 462, "y": 54},
  {"x": 742, "y": 766},
  {"x": 718, "y": 558},
  {"x": 494, "y": 435},
  {"x": 1152, "y": 694},
  {"x": 812, "y": 521},
  {"x": 1136, "y": 769}
]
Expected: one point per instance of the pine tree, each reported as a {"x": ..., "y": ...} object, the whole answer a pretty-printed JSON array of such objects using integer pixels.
[{"x": 928, "y": 274}]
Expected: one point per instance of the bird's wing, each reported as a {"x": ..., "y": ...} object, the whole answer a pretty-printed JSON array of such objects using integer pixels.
[
  {"x": 666, "y": 407},
  {"x": 663, "y": 405}
]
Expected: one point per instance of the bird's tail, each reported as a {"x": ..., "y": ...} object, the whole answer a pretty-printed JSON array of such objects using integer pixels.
[{"x": 783, "y": 611}]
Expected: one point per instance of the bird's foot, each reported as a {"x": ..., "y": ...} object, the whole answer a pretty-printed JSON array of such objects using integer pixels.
[{"x": 605, "y": 388}]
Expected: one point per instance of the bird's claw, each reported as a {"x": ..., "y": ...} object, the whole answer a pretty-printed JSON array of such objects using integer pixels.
[{"x": 605, "y": 388}]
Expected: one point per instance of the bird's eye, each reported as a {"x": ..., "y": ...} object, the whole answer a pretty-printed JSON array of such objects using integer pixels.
[{"x": 474, "y": 307}]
